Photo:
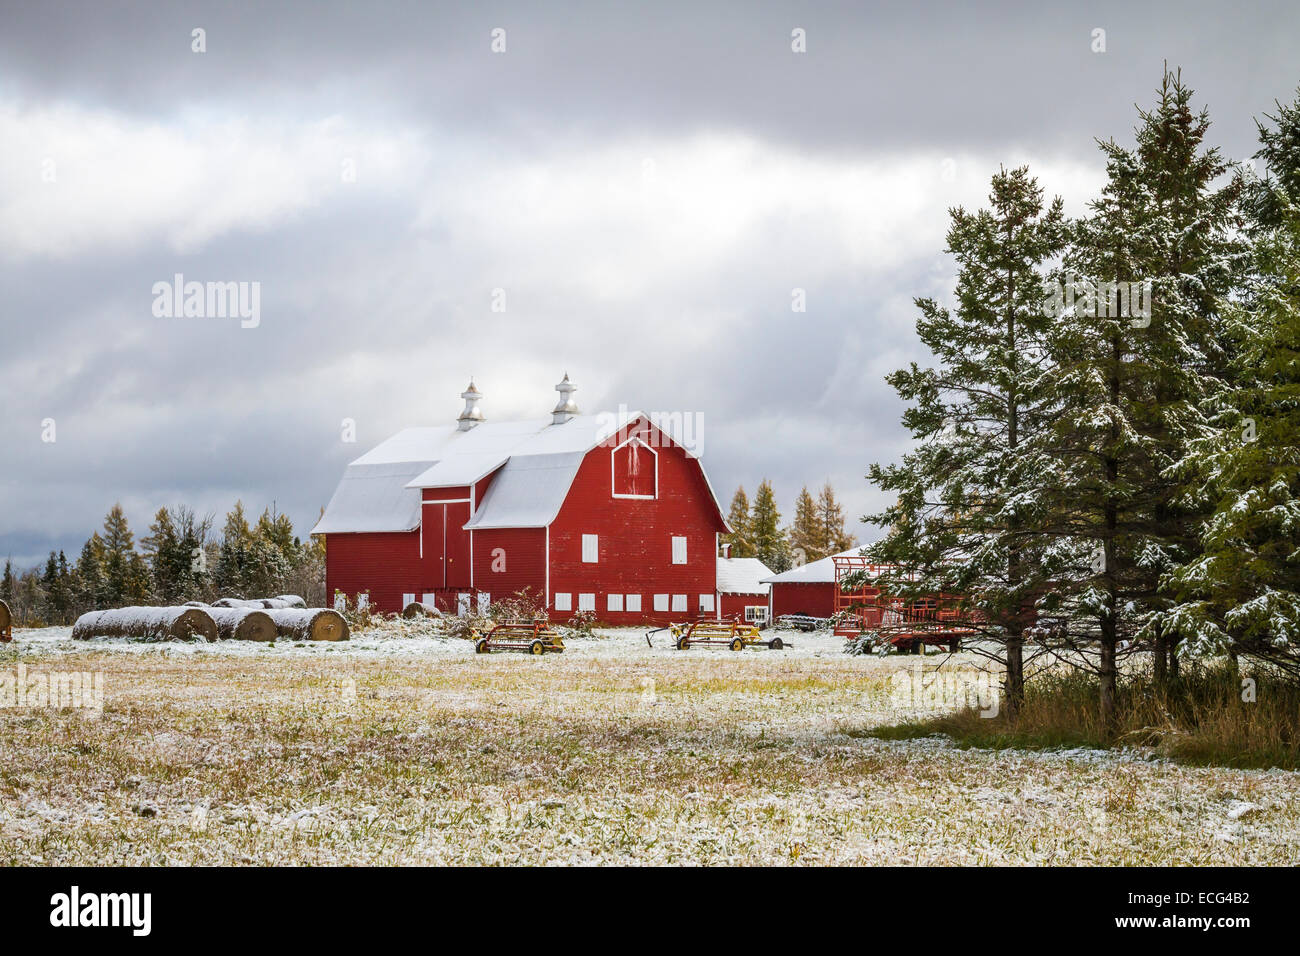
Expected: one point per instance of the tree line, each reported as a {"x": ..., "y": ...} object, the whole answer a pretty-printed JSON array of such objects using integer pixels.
[
  {"x": 1105, "y": 459},
  {"x": 816, "y": 531},
  {"x": 179, "y": 560}
]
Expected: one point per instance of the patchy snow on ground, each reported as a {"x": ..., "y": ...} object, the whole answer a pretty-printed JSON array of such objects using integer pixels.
[{"x": 404, "y": 746}]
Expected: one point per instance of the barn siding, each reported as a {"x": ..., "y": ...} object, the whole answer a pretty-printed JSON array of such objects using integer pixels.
[
  {"x": 635, "y": 539},
  {"x": 523, "y": 551},
  {"x": 729, "y": 604},
  {"x": 386, "y": 564},
  {"x": 817, "y": 599}
]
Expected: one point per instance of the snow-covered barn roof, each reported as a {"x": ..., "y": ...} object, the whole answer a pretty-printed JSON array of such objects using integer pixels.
[
  {"x": 742, "y": 576},
  {"x": 538, "y": 459},
  {"x": 814, "y": 572}
]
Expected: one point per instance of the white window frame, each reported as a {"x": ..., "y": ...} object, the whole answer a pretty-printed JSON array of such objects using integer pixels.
[
  {"x": 679, "y": 603},
  {"x": 613, "y": 457},
  {"x": 590, "y": 549},
  {"x": 428, "y": 597},
  {"x": 407, "y": 599},
  {"x": 340, "y": 602},
  {"x": 632, "y": 603},
  {"x": 363, "y": 600},
  {"x": 661, "y": 602},
  {"x": 679, "y": 549},
  {"x": 563, "y": 601},
  {"x": 614, "y": 602},
  {"x": 706, "y": 603},
  {"x": 756, "y": 613},
  {"x": 463, "y": 603},
  {"x": 586, "y": 602},
  {"x": 483, "y": 600}
]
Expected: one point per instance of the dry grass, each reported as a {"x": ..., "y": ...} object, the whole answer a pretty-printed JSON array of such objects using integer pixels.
[
  {"x": 1199, "y": 719},
  {"x": 414, "y": 750}
]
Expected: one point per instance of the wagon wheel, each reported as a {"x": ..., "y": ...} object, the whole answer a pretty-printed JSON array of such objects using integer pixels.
[
  {"x": 683, "y": 643},
  {"x": 776, "y": 643},
  {"x": 536, "y": 648},
  {"x": 481, "y": 646},
  {"x": 737, "y": 644}
]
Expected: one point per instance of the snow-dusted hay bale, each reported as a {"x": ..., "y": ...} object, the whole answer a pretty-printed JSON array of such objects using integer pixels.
[
  {"x": 292, "y": 600},
  {"x": 236, "y": 602},
  {"x": 417, "y": 609},
  {"x": 196, "y": 604},
  {"x": 6, "y": 623},
  {"x": 243, "y": 624},
  {"x": 149, "y": 623},
  {"x": 309, "y": 624}
]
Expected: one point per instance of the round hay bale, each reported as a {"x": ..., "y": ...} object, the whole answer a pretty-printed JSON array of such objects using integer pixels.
[
  {"x": 6, "y": 622},
  {"x": 243, "y": 624},
  {"x": 291, "y": 600},
  {"x": 236, "y": 602},
  {"x": 309, "y": 624},
  {"x": 147, "y": 623},
  {"x": 418, "y": 609}
]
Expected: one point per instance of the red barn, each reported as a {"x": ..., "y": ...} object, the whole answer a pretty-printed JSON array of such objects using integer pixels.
[{"x": 608, "y": 513}]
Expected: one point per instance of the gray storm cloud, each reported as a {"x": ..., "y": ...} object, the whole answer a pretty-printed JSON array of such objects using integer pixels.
[{"x": 647, "y": 185}]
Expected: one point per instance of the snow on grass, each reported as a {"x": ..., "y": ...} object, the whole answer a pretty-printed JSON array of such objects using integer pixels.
[{"x": 405, "y": 747}]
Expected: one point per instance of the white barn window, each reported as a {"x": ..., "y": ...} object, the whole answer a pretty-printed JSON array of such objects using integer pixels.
[
  {"x": 613, "y": 602},
  {"x": 590, "y": 548},
  {"x": 679, "y": 602},
  {"x": 756, "y": 613},
  {"x": 586, "y": 602},
  {"x": 484, "y": 601},
  {"x": 706, "y": 603},
  {"x": 407, "y": 599},
  {"x": 463, "y": 604},
  {"x": 428, "y": 598},
  {"x": 564, "y": 601},
  {"x": 679, "y": 550},
  {"x": 634, "y": 602},
  {"x": 363, "y": 600},
  {"x": 661, "y": 602}
]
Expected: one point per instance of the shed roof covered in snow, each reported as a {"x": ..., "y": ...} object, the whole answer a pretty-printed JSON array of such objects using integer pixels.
[
  {"x": 814, "y": 572},
  {"x": 742, "y": 576},
  {"x": 537, "y": 460}
]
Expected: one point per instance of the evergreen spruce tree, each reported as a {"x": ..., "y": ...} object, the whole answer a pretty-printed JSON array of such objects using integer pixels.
[
  {"x": 91, "y": 592},
  {"x": 741, "y": 538},
  {"x": 1242, "y": 592},
  {"x": 8, "y": 584},
  {"x": 49, "y": 583},
  {"x": 969, "y": 495},
  {"x": 770, "y": 544},
  {"x": 231, "y": 575},
  {"x": 1135, "y": 390},
  {"x": 160, "y": 548}
]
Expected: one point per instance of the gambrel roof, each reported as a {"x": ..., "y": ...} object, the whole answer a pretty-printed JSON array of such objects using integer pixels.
[{"x": 537, "y": 461}]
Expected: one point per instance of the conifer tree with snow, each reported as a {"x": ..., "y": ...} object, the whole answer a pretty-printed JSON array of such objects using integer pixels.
[
  {"x": 1136, "y": 386},
  {"x": 770, "y": 544},
  {"x": 741, "y": 538},
  {"x": 1241, "y": 593},
  {"x": 968, "y": 496}
]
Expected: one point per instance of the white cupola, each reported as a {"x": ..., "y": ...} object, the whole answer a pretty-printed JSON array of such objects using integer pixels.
[
  {"x": 566, "y": 407},
  {"x": 472, "y": 414}
]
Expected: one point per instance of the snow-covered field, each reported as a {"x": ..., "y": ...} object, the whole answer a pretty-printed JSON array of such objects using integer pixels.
[{"x": 404, "y": 747}]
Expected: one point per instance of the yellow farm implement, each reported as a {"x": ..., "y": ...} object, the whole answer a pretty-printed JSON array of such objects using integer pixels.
[
  {"x": 731, "y": 633},
  {"x": 530, "y": 637}
]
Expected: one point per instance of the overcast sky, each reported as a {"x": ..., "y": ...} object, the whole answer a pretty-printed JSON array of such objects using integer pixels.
[{"x": 646, "y": 182}]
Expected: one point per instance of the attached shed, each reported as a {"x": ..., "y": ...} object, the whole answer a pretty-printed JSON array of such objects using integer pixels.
[
  {"x": 741, "y": 590},
  {"x": 808, "y": 589}
]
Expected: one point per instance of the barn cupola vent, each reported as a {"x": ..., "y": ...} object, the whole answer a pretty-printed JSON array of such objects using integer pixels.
[
  {"x": 566, "y": 407},
  {"x": 472, "y": 414}
]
